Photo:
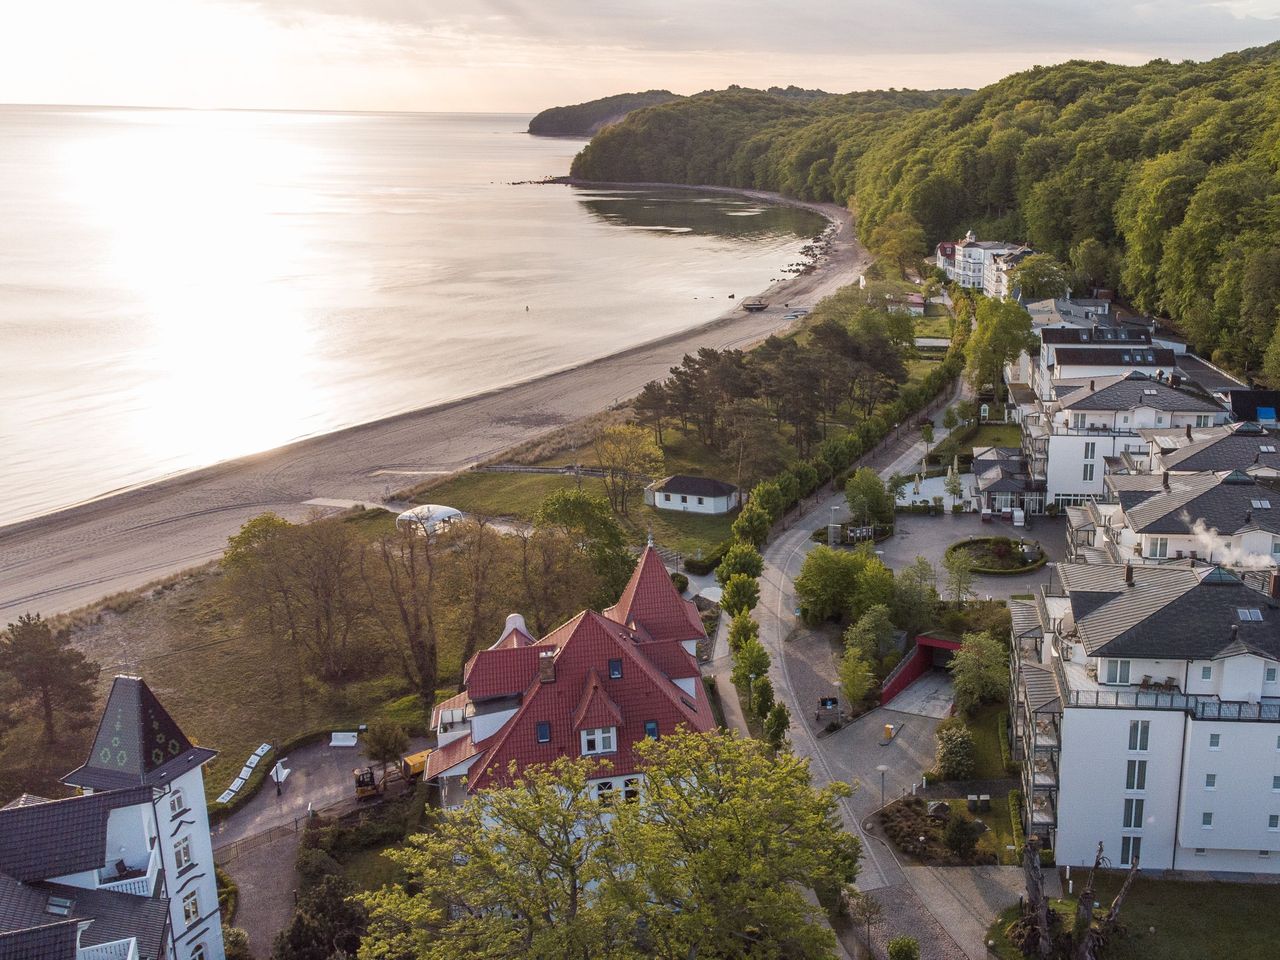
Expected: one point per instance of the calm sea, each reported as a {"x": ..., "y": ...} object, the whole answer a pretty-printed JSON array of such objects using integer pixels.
[{"x": 183, "y": 287}]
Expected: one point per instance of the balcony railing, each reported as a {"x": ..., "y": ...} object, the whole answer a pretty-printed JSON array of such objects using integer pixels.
[
  {"x": 140, "y": 882},
  {"x": 115, "y": 950},
  {"x": 1200, "y": 707}
]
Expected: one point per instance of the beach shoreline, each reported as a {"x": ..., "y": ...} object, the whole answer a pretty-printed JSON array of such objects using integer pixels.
[{"x": 62, "y": 560}]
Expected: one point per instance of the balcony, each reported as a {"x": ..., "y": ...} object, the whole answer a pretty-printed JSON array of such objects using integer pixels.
[
  {"x": 139, "y": 881},
  {"x": 115, "y": 950},
  {"x": 1201, "y": 707}
]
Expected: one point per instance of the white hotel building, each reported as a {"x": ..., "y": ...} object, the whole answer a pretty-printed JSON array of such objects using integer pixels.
[{"x": 1146, "y": 715}]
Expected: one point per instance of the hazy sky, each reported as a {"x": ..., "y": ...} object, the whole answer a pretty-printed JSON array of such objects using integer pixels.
[{"x": 522, "y": 55}]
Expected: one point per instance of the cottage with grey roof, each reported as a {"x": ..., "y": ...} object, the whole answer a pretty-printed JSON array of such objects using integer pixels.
[{"x": 692, "y": 495}]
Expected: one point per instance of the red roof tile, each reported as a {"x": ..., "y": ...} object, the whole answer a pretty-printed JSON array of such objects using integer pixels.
[
  {"x": 596, "y": 709},
  {"x": 501, "y": 672},
  {"x": 458, "y": 701},
  {"x": 450, "y": 755},
  {"x": 652, "y": 602}
]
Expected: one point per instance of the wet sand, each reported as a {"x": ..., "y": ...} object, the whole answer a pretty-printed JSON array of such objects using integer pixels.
[{"x": 58, "y": 562}]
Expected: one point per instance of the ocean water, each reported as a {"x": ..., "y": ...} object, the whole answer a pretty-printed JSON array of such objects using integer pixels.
[{"x": 179, "y": 288}]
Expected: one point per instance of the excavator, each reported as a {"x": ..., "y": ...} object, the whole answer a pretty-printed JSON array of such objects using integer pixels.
[{"x": 410, "y": 768}]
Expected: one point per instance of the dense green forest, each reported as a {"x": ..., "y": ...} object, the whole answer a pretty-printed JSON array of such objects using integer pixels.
[
  {"x": 1162, "y": 178},
  {"x": 585, "y": 119}
]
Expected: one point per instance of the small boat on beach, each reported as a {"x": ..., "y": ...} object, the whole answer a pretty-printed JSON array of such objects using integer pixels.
[{"x": 755, "y": 304}]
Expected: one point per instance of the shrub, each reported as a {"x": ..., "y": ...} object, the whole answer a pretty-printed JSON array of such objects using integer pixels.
[
  {"x": 960, "y": 836},
  {"x": 956, "y": 754},
  {"x": 904, "y": 948},
  {"x": 701, "y": 567},
  {"x": 979, "y": 671},
  {"x": 235, "y": 943},
  {"x": 680, "y": 580},
  {"x": 741, "y": 592},
  {"x": 314, "y": 866},
  {"x": 228, "y": 894},
  {"x": 740, "y": 557}
]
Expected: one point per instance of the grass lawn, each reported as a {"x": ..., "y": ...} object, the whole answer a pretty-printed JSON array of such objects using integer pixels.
[
  {"x": 518, "y": 495},
  {"x": 998, "y": 435},
  {"x": 1192, "y": 920},
  {"x": 985, "y": 726},
  {"x": 370, "y": 870},
  {"x": 999, "y": 836},
  {"x": 919, "y": 368},
  {"x": 933, "y": 323}
]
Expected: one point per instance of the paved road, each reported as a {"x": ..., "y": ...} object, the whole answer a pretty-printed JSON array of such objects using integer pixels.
[{"x": 69, "y": 559}]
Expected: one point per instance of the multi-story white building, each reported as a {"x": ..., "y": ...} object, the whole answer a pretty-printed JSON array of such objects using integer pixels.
[
  {"x": 1245, "y": 446},
  {"x": 1146, "y": 715},
  {"x": 966, "y": 261},
  {"x": 1066, "y": 439},
  {"x": 996, "y": 270},
  {"x": 1226, "y": 518},
  {"x": 124, "y": 870},
  {"x": 1095, "y": 351}
]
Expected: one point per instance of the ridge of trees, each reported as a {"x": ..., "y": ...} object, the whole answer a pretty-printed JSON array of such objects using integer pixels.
[
  {"x": 584, "y": 119},
  {"x": 1158, "y": 180}
]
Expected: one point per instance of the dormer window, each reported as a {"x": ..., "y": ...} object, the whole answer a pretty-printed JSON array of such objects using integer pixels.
[
  {"x": 615, "y": 669},
  {"x": 599, "y": 740},
  {"x": 1248, "y": 613}
]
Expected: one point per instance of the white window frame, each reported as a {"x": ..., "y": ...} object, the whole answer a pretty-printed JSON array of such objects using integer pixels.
[
  {"x": 1118, "y": 671},
  {"x": 1273, "y": 822},
  {"x": 1211, "y": 781},
  {"x": 1215, "y": 741},
  {"x": 1091, "y": 450},
  {"x": 1077, "y": 421},
  {"x": 1087, "y": 473},
  {"x": 1135, "y": 775},
  {"x": 177, "y": 804},
  {"x": 1134, "y": 811},
  {"x": 599, "y": 740},
  {"x": 199, "y": 952},
  {"x": 1158, "y": 548},
  {"x": 604, "y": 792},
  {"x": 1275, "y": 783},
  {"x": 1206, "y": 672},
  {"x": 1206, "y": 820},
  {"x": 1204, "y": 420},
  {"x": 1139, "y": 735},
  {"x": 1269, "y": 675},
  {"x": 182, "y": 853},
  {"x": 1130, "y": 847},
  {"x": 191, "y": 908}
]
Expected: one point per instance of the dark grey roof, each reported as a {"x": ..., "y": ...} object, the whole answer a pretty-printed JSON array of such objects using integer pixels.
[
  {"x": 117, "y": 916},
  {"x": 1000, "y": 479},
  {"x": 1205, "y": 376},
  {"x": 1096, "y": 334},
  {"x": 1114, "y": 357},
  {"x": 137, "y": 742},
  {"x": 1236, "y": 446},
  {"x": 1041, "y": 686},
  {"x": 1229, "y": 503},
  {"x": 1170, "y": 611},
  {"x": 694, "y": 486},
  {"x": 60, "y": 837},
  {"x": 1132, "y": 391},
  {"x": 1245, "y": 403},
  {"x": 27, "y": 930},
  {"x": 1026, "y": 620}
]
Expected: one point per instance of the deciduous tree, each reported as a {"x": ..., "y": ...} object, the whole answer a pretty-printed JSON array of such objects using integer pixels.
[
  {"x": 740, "y": 593},
  {"x": 979, "y": 671},
  {"x": 742, "y": 558},
  {"x": 629, "y": 457}
]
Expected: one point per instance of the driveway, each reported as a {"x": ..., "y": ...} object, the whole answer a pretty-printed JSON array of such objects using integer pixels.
[{"x": 930, "y": 696}]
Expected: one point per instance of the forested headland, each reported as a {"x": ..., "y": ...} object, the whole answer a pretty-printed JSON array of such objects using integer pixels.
[
  {"x": 585, "y": 119},
  {"x": 1159, "y": 180}
]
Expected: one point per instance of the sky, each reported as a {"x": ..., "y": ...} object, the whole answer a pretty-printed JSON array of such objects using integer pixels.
[{"x": 523, "y": 55}]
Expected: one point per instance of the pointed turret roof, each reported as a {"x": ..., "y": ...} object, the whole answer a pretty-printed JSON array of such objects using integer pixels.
[
  {"x": 137, "y": 743},
  {"x": 652, "y": 603}
]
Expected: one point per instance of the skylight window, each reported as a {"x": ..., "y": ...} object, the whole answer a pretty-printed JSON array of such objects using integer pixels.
[
  {"x": 1267, "y": 448},
  {"x": 1150, "y": 392},
  {"x": 1248, "y": 613},
  {"x": 58, "y": 906},
  {"x": 1261, "y": 504}
]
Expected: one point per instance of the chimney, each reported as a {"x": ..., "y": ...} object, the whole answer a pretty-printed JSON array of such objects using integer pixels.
[
  {"x": 547, "y": 665},
  {"x": 1092, "y": 385},
  {"x": 1273, "y": 584},
  {"x": 1164, "y": 479},
  {"x": 1128, "y": 574},
  {"x": 1188, "y": 431},
  {"x": 1235, "y": 630}
]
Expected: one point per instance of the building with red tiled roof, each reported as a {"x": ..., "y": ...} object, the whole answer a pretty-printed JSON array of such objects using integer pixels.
[{"x": 593, "y": 687}]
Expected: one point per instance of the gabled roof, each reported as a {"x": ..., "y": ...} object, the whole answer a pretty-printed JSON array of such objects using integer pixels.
[
  {"x": 596, "y": 709},
  {"x": 450, "y": 755},
  {"x": 693, "y": 486},
  {"x": 1128, "y": 393},
  {"x": 1114, "y": 357},
  {"x": 1227, "y": 503},
  {"x": 1169, "y": 611},
  {"x": 27, "y": 930},
  {"x": 137, "y": 743},
  {"x": 1233, "y": 446},
  {"x": 117, "y": 916},
  {"x": 1043, "y": 695},
  {"x": 60, "y": 837},
  {"x": 652, "y": 602},
  {"x": 1096, "y": 334},
  {"x": 502, "y": 672}
]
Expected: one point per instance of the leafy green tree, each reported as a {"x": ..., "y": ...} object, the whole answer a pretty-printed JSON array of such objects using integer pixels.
[
  {"x": 769, "y": 496},
  {"x": 1003, "y": 331},
  {"x": 629, "y": 457},
  {"x": 956, "y": 754},
  {"x": 954, "y": 484},
  {"x": 926, "y": 434},
  {"x": 960, "y": 836},
  {"x": 776, "y": 725},
  {"x": 856, "y": 677},
  {"x": 762, "y": 699},
  {"x": 915, "y": 598},
  {"x": 873, "y": 587},
  {"x": 742, "y": 629},
  {"x": 740, "y": 557},
  {"x": 584, "y": 519},
  {"x": 872, "y": 635},
  {"x": 51, "y": 679},
  {"x": 949, "y": 419},
  {"x": 750, "y": 662},
  {"x": 959, "y": 575},
  {"x": 327, "y": 923},
  {"x": 866, "y": 911},
  {"x": 826, "y": 583},
  {"x": 1091, "y": 262},
  {"x": 752, "y": 525},
  {"x": 899, "y": 241},
  {"x": 385, "y": 742},
  {"x": 740, "y": 593},
  {"x": 867, "y": 497},
  {"x": 1040, "y": 277},
  {"x": 979, "y": 671},
  {"x": 904, "y": 948}
]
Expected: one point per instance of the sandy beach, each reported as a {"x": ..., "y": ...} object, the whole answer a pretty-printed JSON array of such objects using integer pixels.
[{"x": 58, "y": 562}]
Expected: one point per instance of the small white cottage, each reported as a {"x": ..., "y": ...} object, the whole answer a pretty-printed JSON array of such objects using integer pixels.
[{"x": 692, "y": 495}]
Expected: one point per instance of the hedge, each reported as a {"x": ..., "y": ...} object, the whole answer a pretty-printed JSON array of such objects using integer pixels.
[
  {"x": 1015, "y": 819},
  {"x": 709, "y": 562},
  {"x": 1000, "y": 571},
  {"x": 680, "y": 580}
]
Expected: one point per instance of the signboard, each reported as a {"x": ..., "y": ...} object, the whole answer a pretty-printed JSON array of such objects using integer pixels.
[{"x": 828, "y": 703}]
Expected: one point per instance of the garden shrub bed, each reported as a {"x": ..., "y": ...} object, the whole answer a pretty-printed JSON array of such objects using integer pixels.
[
  {"x": 1001, "y": 556},
  {"x": 907, "y": 820}
]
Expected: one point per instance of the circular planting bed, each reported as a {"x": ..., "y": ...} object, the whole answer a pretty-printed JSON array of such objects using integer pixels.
[{"x": 1001, "y": 556}]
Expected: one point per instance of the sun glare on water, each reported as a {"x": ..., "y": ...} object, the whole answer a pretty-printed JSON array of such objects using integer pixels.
[{"x": 196, "y": 217}]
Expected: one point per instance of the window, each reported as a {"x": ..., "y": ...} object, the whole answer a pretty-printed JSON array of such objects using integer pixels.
[
  {"x": 1160, "y": 421},
  {"x": 191, "y": 908},
  {"x": 1077, "y": 421},
  {"x": 1136, "y": 775},
  {"x": 1215, "y": 741},
  {"x": 1090, "y": 449},
  {"x": 1261, "y": 504},
  {"x": 1125, "y": 418},
  {"x": 1088, "y": 473},
  {"x": 1211, "y": 781},
  {"x": 1264, "y": 853},
  {"x": 1200, "y": 851},
  {"x": 615, "y": 669},
  {"x": 1159, "y": 547},
  {"x": 631, "y": 789},
  {"x": 544, "y": 732},
  {"x": 666, "y": 497},
  {"x": 1133, "y": 814},
  {"x": 1117, "y": 671},
  {"x": 1206, "y": 673},
  {"x": 651, "y": 729},
  {"x": 1206, "y": 820},
  {"x": 1266, "y": 448},
  {"x": 599, "y": 740},
  {"x": 1139, "y": 731},
  {"x": 1275, "y": 783},
  {"x": 1273, "y": 821},
  {"x": 604, "y": 792},
  {"x": 1204, "y": 420},
  {"x": 182, "y": 853},
  {"x": 198, "y": 952},
  {"x": 1269, "y": 675},
  {"x": 1247, "y": 613},
  {"x": 177, "y": 804},
  {"x": 684, "y": 499},
  {"x": 701, "y": 501},
  {"x": 1130, "y": 849}
]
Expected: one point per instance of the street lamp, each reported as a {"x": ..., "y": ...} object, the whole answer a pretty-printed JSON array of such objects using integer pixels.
[{"x": 883, "y": 768}]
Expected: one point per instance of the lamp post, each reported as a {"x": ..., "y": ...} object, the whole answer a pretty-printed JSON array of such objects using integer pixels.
[{"x": 883, "y": 768}]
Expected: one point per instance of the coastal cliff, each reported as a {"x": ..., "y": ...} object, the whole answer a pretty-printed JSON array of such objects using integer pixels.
[{"x": 587, "y": 119}]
